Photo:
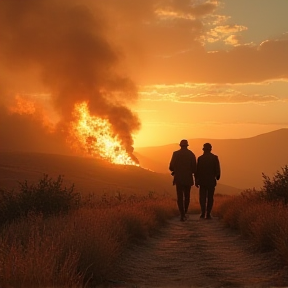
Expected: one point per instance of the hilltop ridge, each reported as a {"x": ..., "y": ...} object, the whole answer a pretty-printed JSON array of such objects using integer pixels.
[
  {"x": 89, "y": 175},
  {"x": 242, "y": 163},
  {"x": 242, "y": 160}
]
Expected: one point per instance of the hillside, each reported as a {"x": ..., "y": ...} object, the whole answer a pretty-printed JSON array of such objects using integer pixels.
[
  {"x": 89, "y": 175},
  {"x": 242, "y": 160}
]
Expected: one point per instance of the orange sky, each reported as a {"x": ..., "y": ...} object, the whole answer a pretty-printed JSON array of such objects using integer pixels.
[
  {"x": 220, "y": 74},
  {"x": 158, "y": 70}
]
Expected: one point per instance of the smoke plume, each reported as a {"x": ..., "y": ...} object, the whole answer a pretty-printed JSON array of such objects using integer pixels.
[{"x": 59, "y": 48}]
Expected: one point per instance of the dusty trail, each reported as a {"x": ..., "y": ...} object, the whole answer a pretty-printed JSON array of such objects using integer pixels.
[{"x": 197, "y": 253}]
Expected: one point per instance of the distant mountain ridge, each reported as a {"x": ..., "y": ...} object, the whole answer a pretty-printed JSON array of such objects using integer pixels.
[
  {"x": 242, "y": 160},
  {"x": 88, "y": 174},
  {"x": 242, "y": 163}
]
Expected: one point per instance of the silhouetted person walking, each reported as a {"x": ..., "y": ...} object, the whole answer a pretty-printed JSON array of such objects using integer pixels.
[
  {"x": 207, "y": 172},
  {"x": 183, "y": 166}
]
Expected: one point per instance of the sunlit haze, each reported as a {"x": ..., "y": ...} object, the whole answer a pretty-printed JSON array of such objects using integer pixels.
[{"x": 155, "y": 71}]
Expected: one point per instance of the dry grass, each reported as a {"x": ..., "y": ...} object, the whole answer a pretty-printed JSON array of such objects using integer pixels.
[
  {"x": 83, "y": 246},
  {"x": 80, "y": 247},
  {"x": 264, "y": 223},
  {"x": 33, "y": 253}
]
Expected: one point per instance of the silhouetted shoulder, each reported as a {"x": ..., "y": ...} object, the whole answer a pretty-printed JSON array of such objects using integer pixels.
[{"x": 208, "y": 155}]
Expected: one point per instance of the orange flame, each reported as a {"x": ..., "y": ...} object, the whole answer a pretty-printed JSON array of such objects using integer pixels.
[
  {"x": 22, "y": 106},
  {"x": 94, "y": 135},
  {"x": 32, "y": 106}
]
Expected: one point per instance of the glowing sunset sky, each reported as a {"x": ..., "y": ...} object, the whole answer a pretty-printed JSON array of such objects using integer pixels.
[
  {"x": 221, "y": 74},
  {"x": 158, "y": 70}
]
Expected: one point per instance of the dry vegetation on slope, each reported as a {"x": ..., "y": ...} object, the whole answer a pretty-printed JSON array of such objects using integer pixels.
[
  {"x": 82, "y": 244},
  {"x": 78, "y": 247},
  {"x": 88, "y": 174}
]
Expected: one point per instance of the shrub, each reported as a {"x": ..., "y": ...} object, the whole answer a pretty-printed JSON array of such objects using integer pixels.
[
  {"x": 9, "y": 206},
  {"x": 277, "y": 188},
  {"x": 47, "y": 197}
]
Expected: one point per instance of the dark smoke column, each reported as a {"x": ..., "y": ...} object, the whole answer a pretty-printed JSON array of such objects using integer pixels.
[{"x": 65, "y": 43}]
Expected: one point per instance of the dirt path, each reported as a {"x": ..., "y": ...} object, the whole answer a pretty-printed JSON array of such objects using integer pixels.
[{"x": 197, "y": 253}]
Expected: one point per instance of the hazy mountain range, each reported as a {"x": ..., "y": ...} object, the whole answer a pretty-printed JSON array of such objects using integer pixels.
[{"x": 242, "y": 160}]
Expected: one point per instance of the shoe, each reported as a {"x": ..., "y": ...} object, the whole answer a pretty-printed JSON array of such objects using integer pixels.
[
  {"x": 202, "y": 216},
  {"x": 208, "y": 217}
]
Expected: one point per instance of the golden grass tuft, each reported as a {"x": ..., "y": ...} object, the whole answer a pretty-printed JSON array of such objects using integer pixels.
[
  {"x": 32, "y": 252},
  {"x": 264, "y": 223},
  {"x": 82, "y": 246}
]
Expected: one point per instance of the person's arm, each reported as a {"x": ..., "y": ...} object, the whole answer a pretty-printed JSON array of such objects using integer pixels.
[
  {"x": 193, "y": 164},
  {"x": 196, "y": 174},
  {"x": 171, "y": 165},
  {"x": 218, "y": 170},
  {"x": 193, "y": 167}
]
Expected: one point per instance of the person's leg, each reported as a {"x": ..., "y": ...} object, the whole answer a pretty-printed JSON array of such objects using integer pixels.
[
  {"x": 202, "y": 200},
  {"x": 210, "y": 201},
  {"x": 187, "y": 198},
  {"x": 180, "y": 203}
]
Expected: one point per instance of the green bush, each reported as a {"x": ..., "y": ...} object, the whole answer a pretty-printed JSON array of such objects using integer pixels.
[
  {"x": 276, "y": 189},
  {"x": 47, "y": 197}
]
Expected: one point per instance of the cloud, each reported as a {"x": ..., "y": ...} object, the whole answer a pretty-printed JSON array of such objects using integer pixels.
[
  {"x": 227, "y": 29},
  {"x": 209, "y": 94},
  {"x": 220, "y": 33},
  {"x": 234, "y": 98},
  {"x": 241, "y": 64},
  {"x": 165, "y": 42},
  {"x": 232, "y": 40},
  {"x": 187, "y": 8}
]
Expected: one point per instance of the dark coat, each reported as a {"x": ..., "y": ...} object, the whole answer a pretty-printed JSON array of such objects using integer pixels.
[
  {"x": 208, "y": 169},
  {"x": 183, "y": 166}
]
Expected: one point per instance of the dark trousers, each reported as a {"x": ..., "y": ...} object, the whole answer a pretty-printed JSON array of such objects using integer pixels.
[
  {"x": 183, "y": 198},
  {"x": 206, "y": 198}
]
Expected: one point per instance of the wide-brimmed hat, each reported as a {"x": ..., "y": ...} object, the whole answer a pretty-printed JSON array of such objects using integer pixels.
[{"x": 184, "y": 142}]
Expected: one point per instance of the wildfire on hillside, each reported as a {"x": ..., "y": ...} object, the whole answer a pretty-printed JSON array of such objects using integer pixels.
[
  {"x": 56, "y": 74},
  {"x": 94, "y": 136},
  {"x": 88, "y": 134}
]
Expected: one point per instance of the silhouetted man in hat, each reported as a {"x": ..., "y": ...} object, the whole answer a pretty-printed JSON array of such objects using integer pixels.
[
  {"x": 207, "y": 172},
  {"x": 183, "y": 166}
]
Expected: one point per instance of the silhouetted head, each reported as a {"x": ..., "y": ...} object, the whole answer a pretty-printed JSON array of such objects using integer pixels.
[
  {"x": 184, "y": 143},
  {"x": 207, "y": 147}
]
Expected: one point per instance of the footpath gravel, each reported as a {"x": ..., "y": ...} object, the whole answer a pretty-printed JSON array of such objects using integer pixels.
[{"x": 197, "y": 253}]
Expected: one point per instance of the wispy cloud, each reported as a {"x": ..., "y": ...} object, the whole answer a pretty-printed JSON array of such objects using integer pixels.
[
  {"x": 209, "y": 94},
  {"x": 232, "y": 40},
  {"x": 225, "y": 33},
  {"x": 165, "y": 42}
]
